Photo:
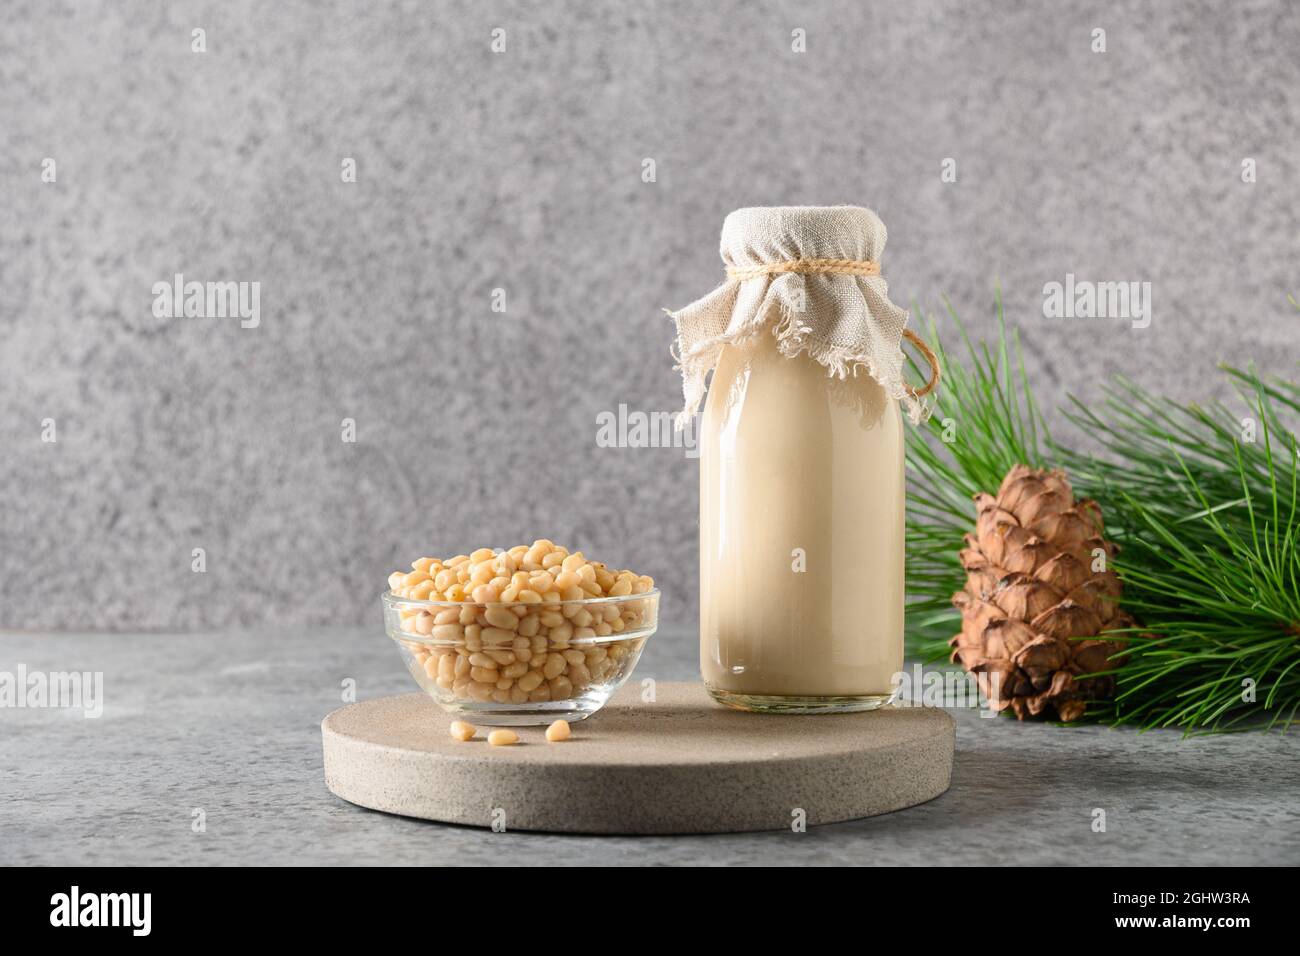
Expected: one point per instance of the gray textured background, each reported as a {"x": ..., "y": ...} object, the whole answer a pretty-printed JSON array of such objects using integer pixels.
[{"x": 522, "y": 170}]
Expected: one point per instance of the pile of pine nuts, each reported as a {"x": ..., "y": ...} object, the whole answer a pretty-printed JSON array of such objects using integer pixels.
[{"x": 518, "y": 636}]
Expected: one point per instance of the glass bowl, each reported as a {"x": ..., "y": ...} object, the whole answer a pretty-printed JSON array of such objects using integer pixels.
[{"x": 515, "y": 664}]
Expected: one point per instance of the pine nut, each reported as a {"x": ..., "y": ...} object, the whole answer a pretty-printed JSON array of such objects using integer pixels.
[
  {"x": 500, "y": 617},
  {"x": 554, "y": 667}
]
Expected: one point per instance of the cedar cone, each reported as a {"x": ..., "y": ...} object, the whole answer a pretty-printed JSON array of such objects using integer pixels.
[{"x": 1030, "y": 588}]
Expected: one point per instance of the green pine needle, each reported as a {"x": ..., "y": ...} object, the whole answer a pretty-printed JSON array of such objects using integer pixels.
[{"x": 1204, "y": 505}]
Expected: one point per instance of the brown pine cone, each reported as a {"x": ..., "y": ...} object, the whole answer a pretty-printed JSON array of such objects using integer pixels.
[{"x": 1038, "y": 575}]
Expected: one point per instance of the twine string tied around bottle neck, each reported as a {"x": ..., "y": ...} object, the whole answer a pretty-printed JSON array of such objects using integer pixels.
[{"x": 848, "y": 267}]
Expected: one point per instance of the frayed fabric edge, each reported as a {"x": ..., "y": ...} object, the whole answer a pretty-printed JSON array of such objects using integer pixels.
[{"x": 792, "y": 334}]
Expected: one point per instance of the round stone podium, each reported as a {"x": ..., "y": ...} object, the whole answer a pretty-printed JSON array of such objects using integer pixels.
[{"x": 679, "y": 763}]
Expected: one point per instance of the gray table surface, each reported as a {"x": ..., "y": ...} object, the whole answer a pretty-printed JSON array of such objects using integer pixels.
[{"x": 228, "y": 724}]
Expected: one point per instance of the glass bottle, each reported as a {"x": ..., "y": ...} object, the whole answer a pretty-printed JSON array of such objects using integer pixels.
[{"x": 801, "y": 535}]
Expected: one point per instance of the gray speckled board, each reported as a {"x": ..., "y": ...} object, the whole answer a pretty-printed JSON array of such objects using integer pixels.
[
  {"x": 208, "y": 751},
  {"x": 676, "y": 764}
]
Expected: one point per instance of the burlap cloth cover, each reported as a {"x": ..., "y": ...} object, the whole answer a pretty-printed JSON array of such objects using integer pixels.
[{"x": 842, "y": 321}]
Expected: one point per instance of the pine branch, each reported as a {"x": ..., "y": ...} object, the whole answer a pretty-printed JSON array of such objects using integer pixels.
[
  {"x": 1204, "y": 505},
  {"x": 984, "y": 422}
]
